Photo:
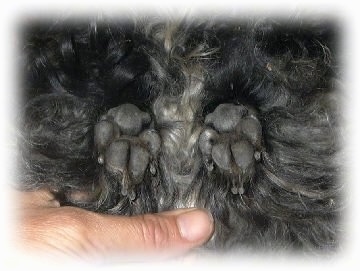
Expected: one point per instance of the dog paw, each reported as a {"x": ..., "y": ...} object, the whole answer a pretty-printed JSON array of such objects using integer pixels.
[
  {"x": 232, "y": 142},
  {"x": 126, "y": 146}
]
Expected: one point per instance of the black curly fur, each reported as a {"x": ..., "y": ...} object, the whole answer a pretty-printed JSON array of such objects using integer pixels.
[{"x": 76, "y": 71}]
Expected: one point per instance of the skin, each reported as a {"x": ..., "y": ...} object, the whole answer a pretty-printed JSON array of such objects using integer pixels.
[{"x": 47, "y": 227}]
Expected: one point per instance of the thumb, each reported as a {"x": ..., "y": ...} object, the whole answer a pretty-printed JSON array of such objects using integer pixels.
[{"x": 167, "y": 234}]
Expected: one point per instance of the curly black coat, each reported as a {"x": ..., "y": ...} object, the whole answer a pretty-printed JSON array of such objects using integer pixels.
[{"x": 177, "y": 72}]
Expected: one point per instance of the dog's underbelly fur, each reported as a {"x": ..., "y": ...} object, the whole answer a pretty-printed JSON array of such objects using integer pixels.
[{"x": 240, "y": 118}]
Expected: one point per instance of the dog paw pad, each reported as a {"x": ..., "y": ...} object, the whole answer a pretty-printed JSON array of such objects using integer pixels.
[
  {"x": 232, "y": 141},
  {"x": 126, "y": 147}
]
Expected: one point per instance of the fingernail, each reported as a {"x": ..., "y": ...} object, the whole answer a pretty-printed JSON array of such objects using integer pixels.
[{"x": 195, "y": 225}]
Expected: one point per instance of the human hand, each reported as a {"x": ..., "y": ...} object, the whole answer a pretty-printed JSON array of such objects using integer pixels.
[{"x": 45, "y": 226}]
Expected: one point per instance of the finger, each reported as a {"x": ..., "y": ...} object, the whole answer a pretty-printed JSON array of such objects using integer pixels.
[
  {"x": 33, "y": 199},
  {"x": 86, "y": 233},
  {"x": 164, "y": 234}
]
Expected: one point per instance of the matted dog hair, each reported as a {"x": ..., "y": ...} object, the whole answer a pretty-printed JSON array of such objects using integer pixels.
[{"x": 241, "y": 117}]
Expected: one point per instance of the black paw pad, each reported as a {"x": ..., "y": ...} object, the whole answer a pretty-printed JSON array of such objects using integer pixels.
[
  {"x": 125, "y": 147},
  {"x": 130, "y": 119},
  {"x": 225, "y": 117},
  {"x": 221, "y": 155},
  {"x": 233, "y": 142}
]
